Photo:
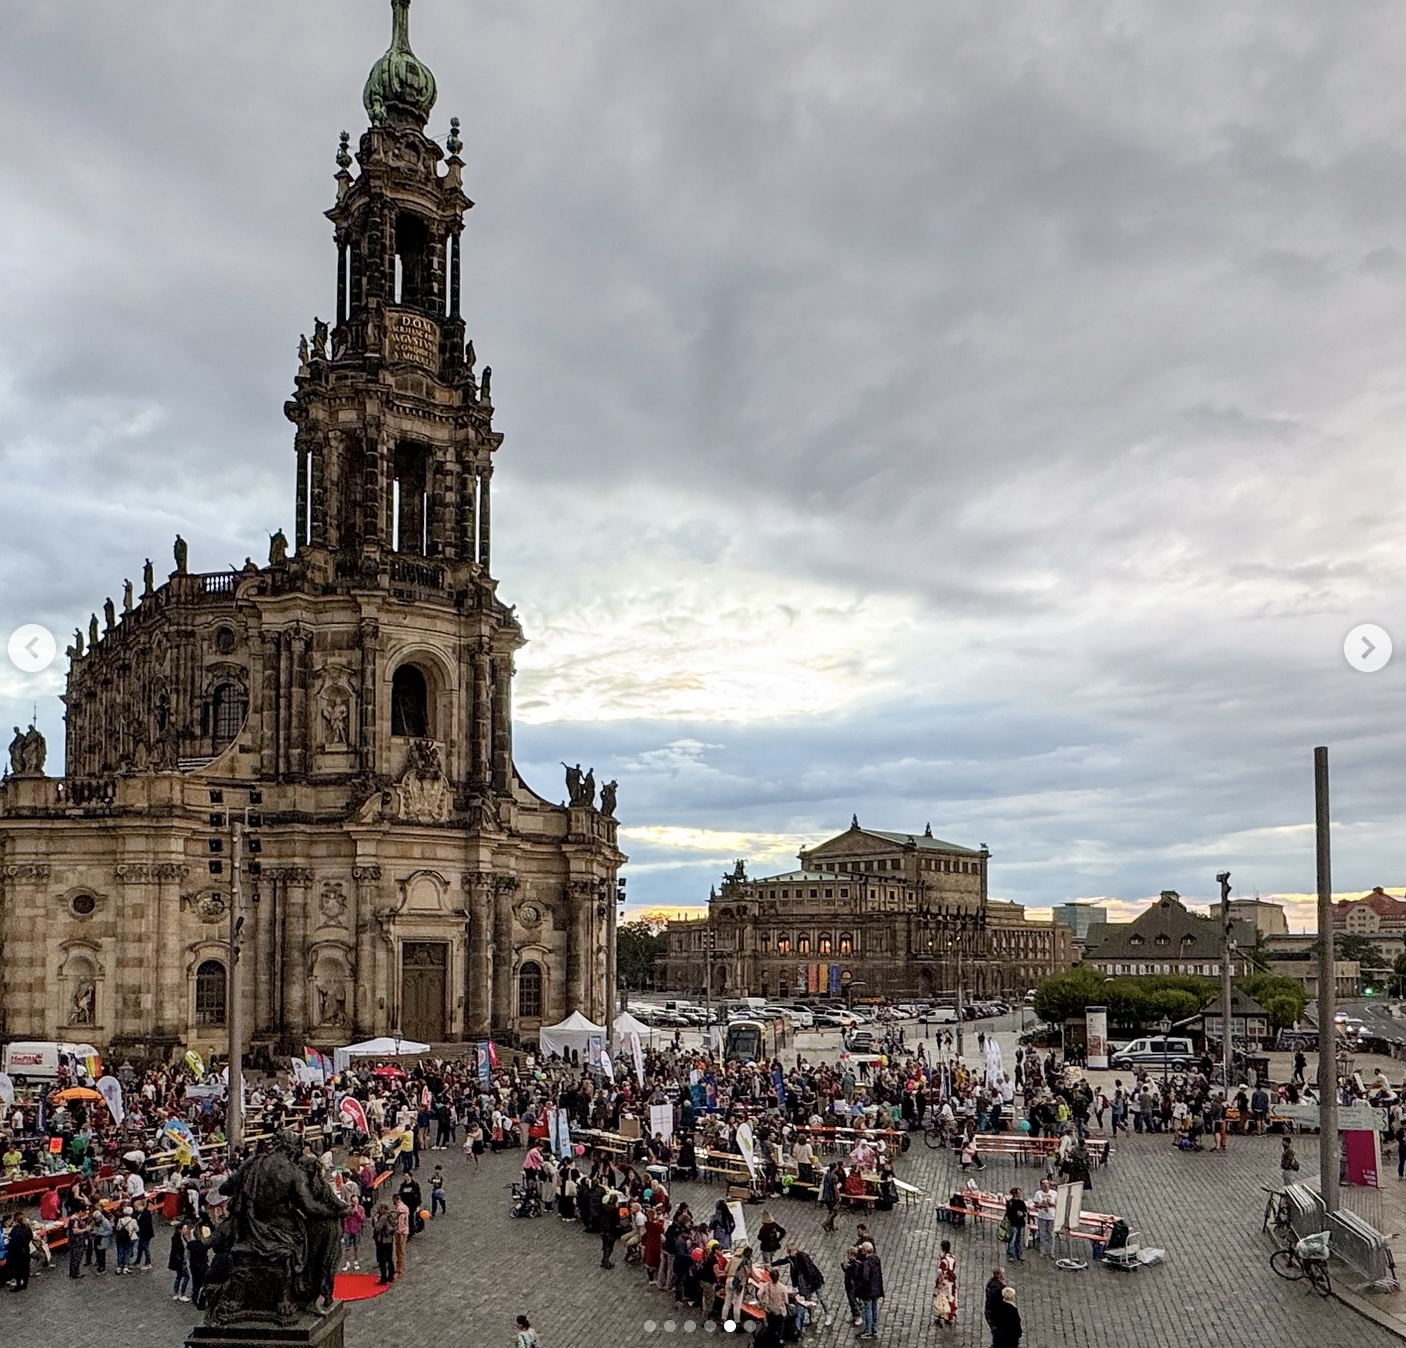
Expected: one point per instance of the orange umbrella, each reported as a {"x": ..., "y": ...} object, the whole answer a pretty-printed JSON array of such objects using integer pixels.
[{"x": 76, "y": 1093}]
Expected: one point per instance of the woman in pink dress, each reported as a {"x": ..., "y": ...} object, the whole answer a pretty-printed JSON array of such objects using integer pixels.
[{"x": 944, "y": 1293}]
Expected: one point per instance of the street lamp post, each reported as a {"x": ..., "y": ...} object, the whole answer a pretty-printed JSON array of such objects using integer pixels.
[{"x": 1166, "y": 1027}]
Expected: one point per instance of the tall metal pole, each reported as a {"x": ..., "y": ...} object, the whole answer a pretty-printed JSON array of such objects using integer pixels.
[
  {"x": 234, "y": 1016},
  {"x": 1227, "y": 1022},
  {"x": 1329, "y": 1147},
  {"x": 960, "y": 1049}
]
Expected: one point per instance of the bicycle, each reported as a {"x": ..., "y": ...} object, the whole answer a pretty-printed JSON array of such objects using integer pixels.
[
  {"x": 1288, "y": 1263},
  {"x": 1276, "y": 1212}
]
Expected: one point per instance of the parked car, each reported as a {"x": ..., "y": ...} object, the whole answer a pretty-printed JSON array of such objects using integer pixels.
[
  {"x": 1153, "y": 1052},
  {"x": 862, "y": 1041}
]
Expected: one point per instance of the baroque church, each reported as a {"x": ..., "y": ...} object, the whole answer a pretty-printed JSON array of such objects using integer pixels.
[{"x": 347, "y": 707}]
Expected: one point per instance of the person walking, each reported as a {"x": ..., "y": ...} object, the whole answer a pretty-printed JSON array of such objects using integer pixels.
[
  {"x": 197, "y": 1258},
  {"x": 526, "y": 1335},
  {"x": 995, "y": 1285},
  {"x": 1006, "y": 1328},
  {"x": 352, "y": 1225},
  {"x": 102, "y": 1239},
  {"x": 944, "y": 1292},
  {"x": 739, "y": 1272},
  {"x": 383, "y": 1235},
  {"x": 176, "y": 1263},
  {"x": 146, "y": 1233},
  {"x": 609, "y": 1227},
  {"x": 126, "y": 1234},
  {"x": 402, "y": 1233},
  {"x": 19, "y": 1250},
  {"x": 80, "y": 1228},
  {"x": 1016, "y": 1213},
  {"x": 869, "y": 1291},
  {"x": 1288, "y": 1162},
  {"x": 830, "y": 1195},
  {"x": 437, "y": 1196},
  {"x": 770, "y": 1234}
]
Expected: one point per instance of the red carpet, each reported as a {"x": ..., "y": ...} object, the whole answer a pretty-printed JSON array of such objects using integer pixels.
[{"x": 358, "y": 1286}]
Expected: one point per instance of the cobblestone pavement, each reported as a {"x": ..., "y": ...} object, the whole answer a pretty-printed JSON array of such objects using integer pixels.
[{"x": 472, "y": 1271}]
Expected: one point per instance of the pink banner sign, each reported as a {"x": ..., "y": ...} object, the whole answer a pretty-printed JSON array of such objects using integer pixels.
[{"x": 1362, "y": 1148}]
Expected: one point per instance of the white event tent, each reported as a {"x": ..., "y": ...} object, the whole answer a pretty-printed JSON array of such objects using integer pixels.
[
  {"x": 626, "y": 1024},
  {"x": 573, "y": 1033},
  {"x": 384, "y": 1047}
]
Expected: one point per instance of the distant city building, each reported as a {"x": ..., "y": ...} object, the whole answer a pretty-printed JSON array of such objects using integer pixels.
[
  {"x": 1080, "y": 918},
  {"x": 1167, "y": 939},
  {"x": 1268, "y": 919},
  {"x": 1377, "y": 913},
  {"x": 870, "y": 913}
]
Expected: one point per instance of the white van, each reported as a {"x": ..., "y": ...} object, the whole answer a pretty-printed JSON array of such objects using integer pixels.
[
  {"x": 40, "y": 1060},
  {"x": 1153, "y": 1053}
]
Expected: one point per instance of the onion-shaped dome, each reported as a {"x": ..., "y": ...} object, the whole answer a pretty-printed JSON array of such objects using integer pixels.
[{"x": 399, "y": 81}]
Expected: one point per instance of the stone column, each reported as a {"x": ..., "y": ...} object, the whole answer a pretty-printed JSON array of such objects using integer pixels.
[
  {"x": 317, "y": 495},
  {"x": 485, "y": 518},
  {"x": 298, "y": 700},
  {"x": 365, "y": 880},
  {"x": 503, "y": 1008},
  {"x": 370, "y": 635},
  {"x": 268, "y": 702},
  {"x": 285, "y": 706},
  {"x": 503, "y": 723},
  {"x": 580, "y": 896},
  {"x": 296, "y": 895},
  {"x": 479, "y": 885},
  {"x": 300, "y": 527},
  {"x": 482, "y": 716}
]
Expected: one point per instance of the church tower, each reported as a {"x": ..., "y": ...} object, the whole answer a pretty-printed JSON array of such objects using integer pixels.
[{"x": 349, "y": 703}]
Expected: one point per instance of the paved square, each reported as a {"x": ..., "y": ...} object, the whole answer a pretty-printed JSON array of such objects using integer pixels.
[{"x": 472, "y": 1271}]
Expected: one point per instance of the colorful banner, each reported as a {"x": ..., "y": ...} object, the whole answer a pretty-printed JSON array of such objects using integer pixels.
[
  {"x": 803, "y": 979},
  {"x": 111, "y": 1091},
  {"x": 834, "y": 980},
  {"x": 1363, "y": 1150},
  {"x": 481, "y": 1054},
  {"x": 778, "y": 1079},
  {"x": 595, "y": 1049},
  {"x": 353, "y": 1115},
  {"x": 563, "y": 1134},
  {"x": 1096, "y": 1036},
  {"x": 746, "y": 1144},
  {"x": 637, "y": 1053},
  {"x": 195, "y": 1062}
]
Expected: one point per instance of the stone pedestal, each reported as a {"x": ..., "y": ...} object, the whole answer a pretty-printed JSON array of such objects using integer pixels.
[{"x": 323, "y": 1332}]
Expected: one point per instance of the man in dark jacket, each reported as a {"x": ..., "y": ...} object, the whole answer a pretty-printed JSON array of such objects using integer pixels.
[
  {"x": 994, "y": 1287},
  {"x": 18, "y": 1253},
  {"x": 609, "y": 1227},
  {"x": 869, "y": 1290}
]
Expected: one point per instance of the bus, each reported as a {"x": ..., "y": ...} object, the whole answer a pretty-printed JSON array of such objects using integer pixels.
[{"x": 752, "y": 1041}]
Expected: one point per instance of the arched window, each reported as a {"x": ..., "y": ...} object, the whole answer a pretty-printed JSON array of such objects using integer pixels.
[
  {"x": 783, "y": 945},
  {"x": 847, "y": 944},
  {"x": 529, "y": 991},
  {"x": 825, "y": 945},
  {"x": 803, "y": 946},
  {"x": 210, "y": 993},
  {"x": 410, "y": 704},
  {"x": 229, "y": 706}
]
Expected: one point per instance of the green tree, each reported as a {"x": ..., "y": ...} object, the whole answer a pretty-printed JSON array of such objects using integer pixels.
[
  {"x": 1360, "y": 948},
  {"x": 1397, "y": 986},
  {"x": 639, "y": 946},
  {"x": 1282, "y": 998}
]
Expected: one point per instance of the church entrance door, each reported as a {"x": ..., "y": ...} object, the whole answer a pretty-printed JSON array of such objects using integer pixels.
[{"x": 424, "y": 970}]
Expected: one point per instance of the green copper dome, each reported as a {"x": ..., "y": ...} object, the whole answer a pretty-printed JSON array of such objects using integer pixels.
[{"x": 399, "y": 81}]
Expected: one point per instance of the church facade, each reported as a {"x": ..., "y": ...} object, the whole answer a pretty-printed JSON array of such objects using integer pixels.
[{"x": 346, "y": 708}]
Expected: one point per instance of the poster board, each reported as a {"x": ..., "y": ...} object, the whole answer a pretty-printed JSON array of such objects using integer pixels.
[
  {"x": 661, "y": 1121},
  {"x": 1096, "y": 1036},
  {"x": 1067, "y": 1205},
  {"x": 739, "y": 1218}
]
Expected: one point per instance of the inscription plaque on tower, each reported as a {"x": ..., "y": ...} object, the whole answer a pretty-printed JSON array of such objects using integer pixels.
[{"x": 412, "y": 337}]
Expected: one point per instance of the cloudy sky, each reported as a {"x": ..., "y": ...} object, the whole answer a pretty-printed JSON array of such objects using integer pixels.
[{"x": 990, "y": 416}]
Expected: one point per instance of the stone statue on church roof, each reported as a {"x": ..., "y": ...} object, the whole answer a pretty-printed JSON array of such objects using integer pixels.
[{"x": 182, "y": 554}]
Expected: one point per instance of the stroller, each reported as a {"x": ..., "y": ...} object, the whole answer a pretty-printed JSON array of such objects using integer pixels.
[{"x": 527, "y": 1199}]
